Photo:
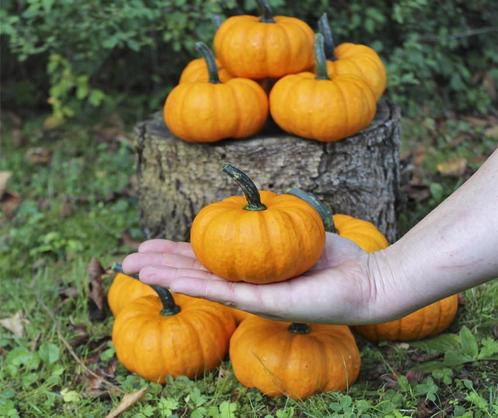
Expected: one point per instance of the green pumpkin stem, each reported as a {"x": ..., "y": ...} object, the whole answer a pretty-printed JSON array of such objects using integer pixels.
[
  {"x": 324, "y": 211},
  {"x": 208, "y": 56},
  {"x": 250, "y": 190},
  {"x": 299, "y": 328},
  {"x": 266, "y": 12},
  {"x": 328, "y": 39},
  {"x": 320, "y": 59},
  {"x": 169, "y": 305}
]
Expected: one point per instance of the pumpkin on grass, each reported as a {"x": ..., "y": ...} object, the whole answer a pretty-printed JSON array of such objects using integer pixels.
[
  {"x": 319, "y": 107},
  {"x": 124, "y": 289},
  {"x": 159, "y": 336},
  {"x": 350, "y": 58},
  {"x": 297, "y": 360},
  {"x": 260, "y": 238},
  {"x": 266, "y": 46},
  {"x": 210, "y": 111},
  {"x": 425, "y": 322}
]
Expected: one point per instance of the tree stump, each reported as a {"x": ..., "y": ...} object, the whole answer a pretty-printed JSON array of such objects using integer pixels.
[{"x": 358, "y": 176}]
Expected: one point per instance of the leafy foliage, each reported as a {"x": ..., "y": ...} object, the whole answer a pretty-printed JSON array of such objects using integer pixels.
[{"x": 85, "y": 54}]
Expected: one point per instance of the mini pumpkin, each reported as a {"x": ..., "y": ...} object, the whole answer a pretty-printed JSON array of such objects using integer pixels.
[
  {"x": 159, "y": 336},
  {"x": 319, "y": 107},
  {"x": 269, "y": 46},
  {"x": 297, "y": 360},
  {"x": 425, "y": 322},
  {"x": 210, "y": 111},
  {"x": 356, "y": 59},
  {"x": 197, "y": 70},
  {"x": 125, "y": 289},
  {"x": 262, "y": 238}
]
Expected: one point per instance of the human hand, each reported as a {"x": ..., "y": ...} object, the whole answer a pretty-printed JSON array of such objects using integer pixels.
[{"x": 340, "y": 288}]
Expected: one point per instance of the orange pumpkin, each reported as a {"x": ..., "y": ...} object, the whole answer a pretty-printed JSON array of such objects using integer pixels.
[
  {"x": 160, "y": 336},
  {"x": 317, "y": 107},
  {"x": 211, "y": 111},
  {"x": 349, "y": 58},
  {"x": 297, "y": 360},
  {"x": 253, "y": 47},
  {"x": 426, "y": 322},
  {"x": 124, "y": 289},
  {"x": 262, "y": 238},
  {"x": 197, "y": 70},
  {"x": 363, "y": 233}
]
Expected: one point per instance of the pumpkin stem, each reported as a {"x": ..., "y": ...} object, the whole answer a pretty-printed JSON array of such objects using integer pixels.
[
  {"x": 169, "y": 305},
  {"x": 299, "y": 328},
  {"x": 208, "y": 56},
  {"x": 217, "y": 21},
  {"x": 324, "y": 211},
  {"x": 328, "y": 39},
  {"x": 266, "y": 12},
  {"x": 250, "y": 190},
  {"x": 321, "y": 61}
]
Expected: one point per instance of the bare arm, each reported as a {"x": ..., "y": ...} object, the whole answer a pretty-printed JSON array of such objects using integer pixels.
[{"x": 455, "y": 247}]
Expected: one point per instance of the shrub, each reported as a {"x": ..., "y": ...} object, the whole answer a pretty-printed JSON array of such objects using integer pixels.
[{"x": 84, "y": 54}]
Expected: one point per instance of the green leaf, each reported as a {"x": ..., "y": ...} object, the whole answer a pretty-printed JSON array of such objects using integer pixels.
[
  {"x": 49, "y": 353},
  {"x": 166, "y": 406},
  {"x": 227, "y": 409},
  {"x": 70, "y": 396},
  {"x": 468, "y": 343},
  {"x": 488, "y": 349},
  {"x": 441, "y": 344}
]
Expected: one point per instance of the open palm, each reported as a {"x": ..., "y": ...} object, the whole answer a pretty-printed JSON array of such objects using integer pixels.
[{"x": 337, "y": 289}]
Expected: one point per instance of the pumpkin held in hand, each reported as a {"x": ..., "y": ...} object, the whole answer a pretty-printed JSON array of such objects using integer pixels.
[
  {"x": 266, "y": 46},
  {"x": 210, "y": 111},
  {"x": 262, "y": 238},
  {"x": 124, "y": 289},
  {"x": 356, "y": 59},
  {"x": 298, "y": 360},
  {"x": 158, "y": 336},
  {"x": 319, "y": 107},
  {"x": 425, "y": 322}
]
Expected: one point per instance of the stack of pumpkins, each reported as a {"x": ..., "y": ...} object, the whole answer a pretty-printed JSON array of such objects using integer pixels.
[
  {"x": 319, "y": 92},
  {"x": 261, "y": 237}
]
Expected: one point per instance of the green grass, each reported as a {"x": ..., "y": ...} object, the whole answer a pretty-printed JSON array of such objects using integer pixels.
[{"x": 79, "y": 206}]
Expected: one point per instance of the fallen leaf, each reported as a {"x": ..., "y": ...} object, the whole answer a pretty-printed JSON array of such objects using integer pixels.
[
  {"x": 426, "y": 408},
  {"x": 127, "y": 402},
  {"x": 96, "y": 301},
  {"x": 479, "y": 122},
  {"x": 80, "y": 337},
  {"x": 9, "y": 203},
  {"x": 68, "y": 293},
  {"x": 492, "y": 132},
  {"x": 4, "y": 178},
  {"x": 15, "y": 324},
  {"x": 38, "y": 155},
  {"x": 129, "y": 241},
  {"x": 454, "y": 167},
  {"x": 390, "y": 380}
]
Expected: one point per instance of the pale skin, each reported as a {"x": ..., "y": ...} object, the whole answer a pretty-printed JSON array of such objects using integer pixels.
[{"x": 453, "y": 248}]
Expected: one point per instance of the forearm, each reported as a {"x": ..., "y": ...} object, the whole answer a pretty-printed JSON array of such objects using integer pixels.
[{"x": 455, "y": 247}]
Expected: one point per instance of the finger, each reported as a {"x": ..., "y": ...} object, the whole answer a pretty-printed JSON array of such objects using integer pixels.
[
  {"x": 137, "y": 261},
  {"x": 164, "y": 275},
  {"x": 166, "y": 246},
  {"x": 261, "y": 299}
]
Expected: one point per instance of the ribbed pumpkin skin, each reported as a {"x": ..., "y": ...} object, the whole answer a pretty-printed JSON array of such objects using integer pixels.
[
  {"x": 265, "y": 355},
  {"x": 323, "y": 110},
  {"x": 240, "y": 315},
  {"x": 196, "y": 70},
  {"x": 189, "y": 343},
  {"x": 209, "y": 112},
  {"x": 271, "y": 245},
  {"x": 426, "y": 322},
  {"x": 362, "y": 233},
  {"x": 250, "y": 48},
  {"x": 362, "y": 61},
  {"x": 123, "y": 290}
]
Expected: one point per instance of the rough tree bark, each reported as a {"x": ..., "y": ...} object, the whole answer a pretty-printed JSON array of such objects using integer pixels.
[{"x": 357, "y": 176}]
